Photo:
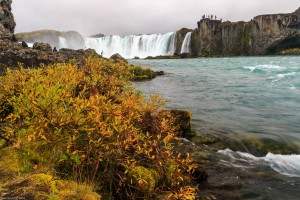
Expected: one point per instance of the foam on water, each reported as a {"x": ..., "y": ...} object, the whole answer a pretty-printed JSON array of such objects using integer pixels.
[
  {"x": 288, "y": 165},
  {"x": 283, "y": 80},
  {"x": 265, "y": 68}
]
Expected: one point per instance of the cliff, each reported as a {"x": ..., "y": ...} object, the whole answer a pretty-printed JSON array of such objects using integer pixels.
[
  {"x": 7, "y": 22},
  {"x": 206, "y": 40},
  {"x": 265, "y": 34}
]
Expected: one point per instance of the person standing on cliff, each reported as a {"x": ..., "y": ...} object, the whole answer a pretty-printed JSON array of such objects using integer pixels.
[
  {"x": 54, "y": 49},
  {"x": 215, "y": 17}
]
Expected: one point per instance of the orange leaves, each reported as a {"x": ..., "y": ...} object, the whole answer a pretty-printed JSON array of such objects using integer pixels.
[{"x": 100, "y": 126}]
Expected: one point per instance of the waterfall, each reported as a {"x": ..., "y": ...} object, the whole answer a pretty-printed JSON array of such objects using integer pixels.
[
  {"x": 186, "y": 45},
  {"x": 131, "y": 46},
  {"x": 62, "y": 43}
]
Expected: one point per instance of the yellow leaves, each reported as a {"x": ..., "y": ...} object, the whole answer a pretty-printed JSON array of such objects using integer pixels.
[
  {"x": 179, "y": 154},
  {"x": 184, "y": 193},
  {"x": 93, "y": 116},
  {"x": 17, "y": 143}
]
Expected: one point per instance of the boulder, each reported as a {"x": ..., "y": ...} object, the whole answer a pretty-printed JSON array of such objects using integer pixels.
[
  {"x": 24, "y": 44},
  {"x": 117, "y": 56},
  {"x": 42, "y": 47}
]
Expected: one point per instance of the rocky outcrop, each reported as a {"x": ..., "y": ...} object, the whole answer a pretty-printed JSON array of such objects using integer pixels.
[
  {"x": 68, "y": 39},
  {"x": 207, "y": 40},
  {"x": 99, "y": 35},
  {"x": 7, "y": 22},
  {"x": 265, "y": 34},
  {"x": 13, "y": 53},
  {"x": 42, "y": 47},
  {"x": 180, "y": 35},
  {"x": 117, "y": 57}
]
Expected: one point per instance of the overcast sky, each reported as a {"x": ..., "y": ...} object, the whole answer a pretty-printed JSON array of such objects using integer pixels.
[{"x": 123, "y": 17}]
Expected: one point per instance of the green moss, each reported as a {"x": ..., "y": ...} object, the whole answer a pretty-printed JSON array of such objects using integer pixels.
[
  {"x": 143, "y": 179},
  {"x": 261, "y": 146},
  {"x": 183, "y": 121},
  {"x": 140, "y": 73},
  {"x": 204, "y": 139},
  {"x": 295, "y": 51},
  {"x": 9, "y": 163}
]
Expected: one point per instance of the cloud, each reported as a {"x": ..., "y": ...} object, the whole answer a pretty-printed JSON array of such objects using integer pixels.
[{"x": 135, "y": 16}]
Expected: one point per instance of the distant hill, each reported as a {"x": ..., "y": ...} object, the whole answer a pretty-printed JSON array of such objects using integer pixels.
[{"x": 68, "y": 39}]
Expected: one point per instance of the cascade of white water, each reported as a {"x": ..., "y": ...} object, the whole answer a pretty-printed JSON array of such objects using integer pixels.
[
  {"x": 62, "y": 43},
  {"x": 131, "y": 46},
  {"x": 186, "y": 45}
]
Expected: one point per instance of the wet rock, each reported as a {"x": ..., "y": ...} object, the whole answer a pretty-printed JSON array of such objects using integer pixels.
[
  {"x": 159, "y": 73},
  {"x": 183, "y": 121},
  {"x": 162, "y": 57},
  {"x": 200, "y": 175},
  {"x": 24, "y": 44}
]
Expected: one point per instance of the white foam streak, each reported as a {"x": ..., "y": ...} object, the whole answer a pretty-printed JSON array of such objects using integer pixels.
[
  {"x": 288, "y": 165},
  {"x": 266, "y": 68}
]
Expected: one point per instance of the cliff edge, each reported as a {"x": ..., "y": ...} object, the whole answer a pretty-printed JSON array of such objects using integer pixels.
[{"x": 264, "y": 34}]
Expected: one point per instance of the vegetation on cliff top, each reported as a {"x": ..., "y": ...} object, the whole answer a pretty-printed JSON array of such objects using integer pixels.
[{"x": 63, "y": 124}]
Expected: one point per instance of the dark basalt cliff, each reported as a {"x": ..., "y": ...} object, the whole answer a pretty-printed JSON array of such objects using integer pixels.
[
  {"x": 12, "y": 53},
  {"x": 265, "y": 34},
  {"x": 7, "y": 22}
]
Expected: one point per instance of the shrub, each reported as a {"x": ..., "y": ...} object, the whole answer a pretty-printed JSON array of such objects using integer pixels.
[{"x": 89, "y": 124}]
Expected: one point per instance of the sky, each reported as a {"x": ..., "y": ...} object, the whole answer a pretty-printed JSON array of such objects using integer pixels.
[{"x": 123, "y": 17}]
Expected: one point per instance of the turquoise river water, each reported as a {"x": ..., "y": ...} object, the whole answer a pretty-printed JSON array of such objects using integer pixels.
[{"x": 240, "y": 97}]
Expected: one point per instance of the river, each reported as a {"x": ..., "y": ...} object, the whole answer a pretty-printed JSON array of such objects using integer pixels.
[{"x": 243, "y": 99}]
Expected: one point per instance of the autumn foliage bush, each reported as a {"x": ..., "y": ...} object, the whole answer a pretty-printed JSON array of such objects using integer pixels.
[{"x": 89, "y": 124}]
